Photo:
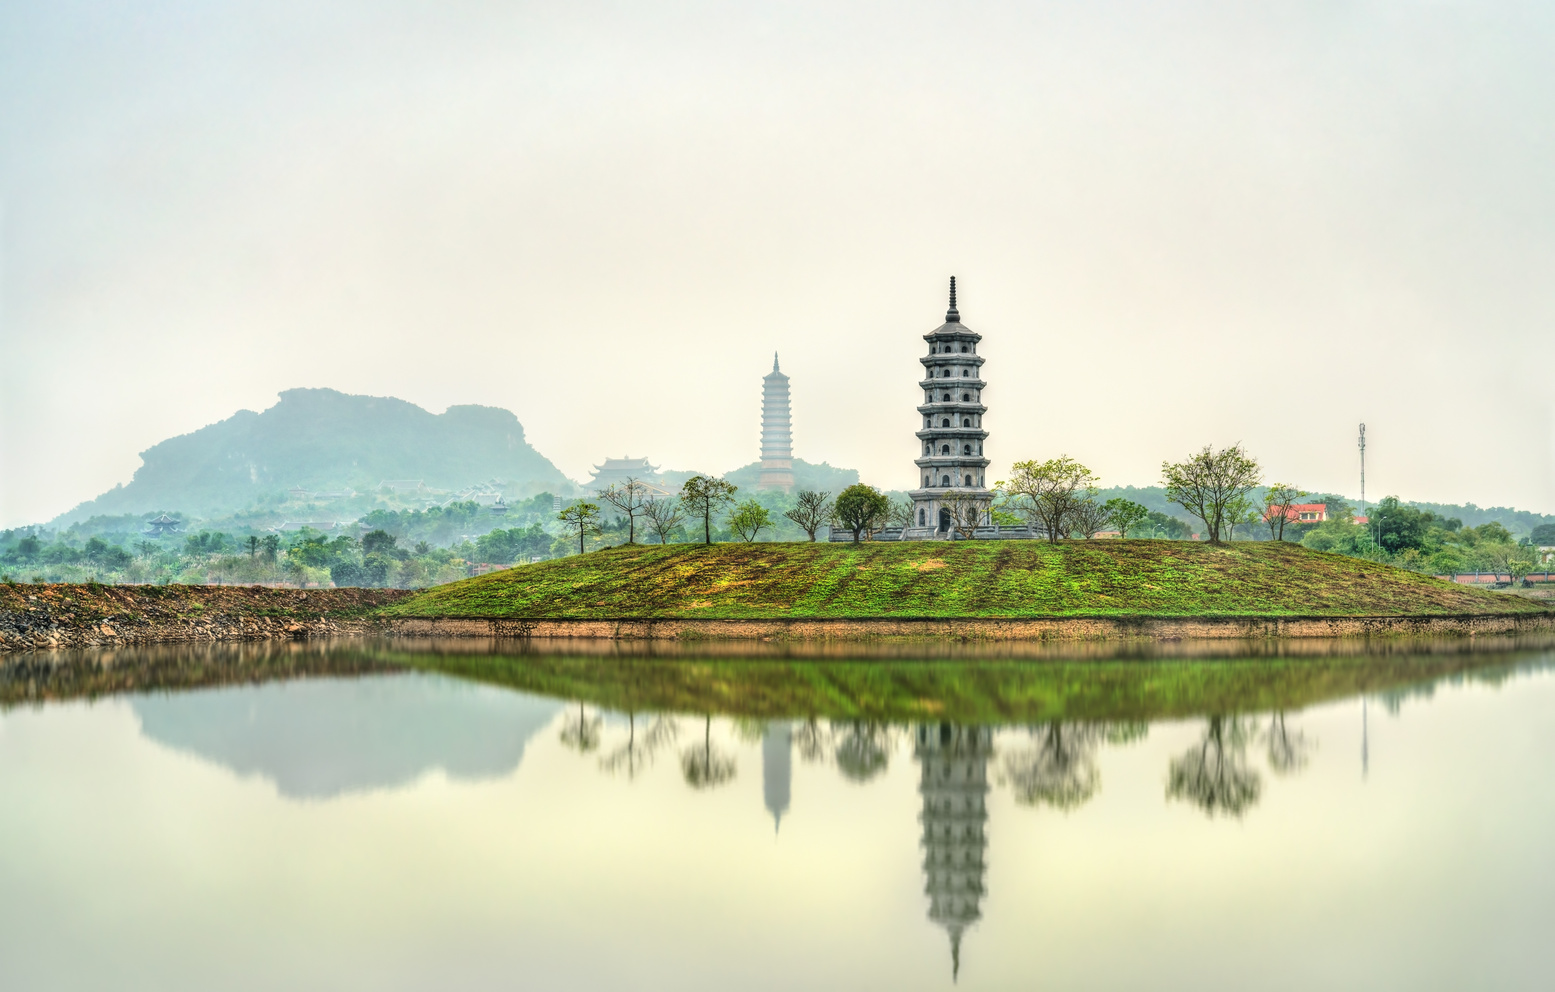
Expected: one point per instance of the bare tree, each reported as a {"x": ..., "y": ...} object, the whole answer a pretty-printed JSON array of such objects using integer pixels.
[
  {"x": 1088, "y": 517},
  {"x": 664, "y": 515},
  {"x": 967, "y": 510},
  {"x": 629, "y": 497},
  {"x": 811, "y": 511},
  {"x": 1276, "y": 507},
  {"x": 1210, "y": 481},
  {"x": 1048, "y": 492}
]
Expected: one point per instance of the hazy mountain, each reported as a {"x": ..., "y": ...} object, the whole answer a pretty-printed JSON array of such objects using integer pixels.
[{"x": 320, "y": 438}]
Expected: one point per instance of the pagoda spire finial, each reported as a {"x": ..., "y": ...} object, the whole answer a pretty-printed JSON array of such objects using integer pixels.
[
  {"x": 774, "y": 362},
  {"x": 951, "y": 315}
]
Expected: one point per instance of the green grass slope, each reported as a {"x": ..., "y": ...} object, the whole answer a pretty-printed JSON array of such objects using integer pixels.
[{"x": 960, "y": 579}]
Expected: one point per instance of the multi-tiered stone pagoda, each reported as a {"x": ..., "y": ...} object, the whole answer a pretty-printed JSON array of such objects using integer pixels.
[
  {"x": 777, "y": 439},
  {"x": 952, "y": 435}
]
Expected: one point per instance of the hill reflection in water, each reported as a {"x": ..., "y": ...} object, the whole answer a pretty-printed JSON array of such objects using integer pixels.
[{"x": 321, "y": 738}]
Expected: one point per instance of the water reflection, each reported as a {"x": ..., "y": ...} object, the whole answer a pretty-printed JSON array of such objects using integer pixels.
[
  {"x": 321, "y": 738},
  {"x": 953, "y": 784},
  {"x": 975, "y": 803},
  {"x": 777, "y": 770}
]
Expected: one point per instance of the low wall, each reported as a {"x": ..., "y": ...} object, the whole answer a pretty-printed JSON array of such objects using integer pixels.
[{"x": 1037, "y": 629}]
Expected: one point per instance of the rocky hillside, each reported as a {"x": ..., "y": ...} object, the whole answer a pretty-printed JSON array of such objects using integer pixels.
[{"x": 323, "y": 439}]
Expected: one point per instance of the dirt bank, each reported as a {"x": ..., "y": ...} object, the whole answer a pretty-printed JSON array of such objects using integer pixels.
[
  {"x": 1058, "y": 629},
  {"x": 75, "y": 616}
]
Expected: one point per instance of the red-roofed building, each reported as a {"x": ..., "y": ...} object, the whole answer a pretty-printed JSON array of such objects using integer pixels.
[{"x": 1302, "y": 513}]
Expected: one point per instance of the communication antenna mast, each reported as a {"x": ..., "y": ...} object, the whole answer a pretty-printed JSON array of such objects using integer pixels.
[{"x": 1362, "y": 444}]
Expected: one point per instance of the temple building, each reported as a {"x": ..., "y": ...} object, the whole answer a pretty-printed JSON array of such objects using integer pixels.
[
  {"x": 952, "y": 435},
  {"x": 777, "y": 439},
  {"x": 954, "y": 789},
  {"x": 618, "y": 470}
]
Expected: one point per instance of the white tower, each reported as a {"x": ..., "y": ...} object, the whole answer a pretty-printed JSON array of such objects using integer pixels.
[
  {"x": 777, "y": 439},
  {"x": 952, "y": 435}
]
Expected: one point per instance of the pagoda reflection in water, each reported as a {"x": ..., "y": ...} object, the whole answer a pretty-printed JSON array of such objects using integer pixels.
[{"x": 954, "y": 786}]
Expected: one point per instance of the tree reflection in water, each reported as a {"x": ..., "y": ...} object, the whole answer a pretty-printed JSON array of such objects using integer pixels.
[
  {"x": 634, "y": 754},
  {"x": 1288, "y": 749},
  {"x": 703, "y": 766},
  {"x": 582, "y": 732},
  {"x": 1213, "y": 775},
  {"x": 1057, "y": 769},
  {"x": 864, "y": 751}
]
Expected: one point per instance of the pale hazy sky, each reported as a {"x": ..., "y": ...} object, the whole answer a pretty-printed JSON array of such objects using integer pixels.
[{"x": 1173, "y": 223}]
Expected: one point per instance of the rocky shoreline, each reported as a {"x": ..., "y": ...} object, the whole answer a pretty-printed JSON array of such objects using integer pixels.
[{"x": 83, "y": 616}]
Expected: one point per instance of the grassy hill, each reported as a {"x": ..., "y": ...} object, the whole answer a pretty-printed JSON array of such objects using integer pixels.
[{"x": 961, "y": 579}]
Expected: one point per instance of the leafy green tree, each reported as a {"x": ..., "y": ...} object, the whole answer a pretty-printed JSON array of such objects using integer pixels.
[
  {"x": 1240, "y": 512},
  {"x": 861, "y": 508},
  {"x": 1277, "y": 502},
  {"x": 1210, "y": 481},
  {"x": 581, "y": 518},
  {"x": 346, "y": 573},
  {"x": 378, "y": 542},
  {"x": 1049, "y": 493},
  {"x": 706, "y": 497},
  {"x": 271, "y": 545},
  {"x": 1543, "y": 536},
  {"x": 253, "y": 546},
  {"x": 748, "y": 520},
  {"x": 1125, "y": 515},
  {"x": 811, "y": 511},
  {"x": 1398, "y": 527}
]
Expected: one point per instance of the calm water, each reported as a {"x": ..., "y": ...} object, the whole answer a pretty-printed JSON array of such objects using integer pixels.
[{"x": 436, "y": 818}]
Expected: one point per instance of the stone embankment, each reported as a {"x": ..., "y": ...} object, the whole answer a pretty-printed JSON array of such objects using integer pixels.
[{"x": 78, "y": 616}]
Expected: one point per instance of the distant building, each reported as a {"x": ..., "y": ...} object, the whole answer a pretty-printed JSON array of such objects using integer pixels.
[
  {"x": 322, "y": 526},
  {"x": 162, "y": 526},
  {"x": 777, "y": 439},
  {"x": 617, "y": 470},
  {"x": 1302, "y": 513},
  {"x": 302, "y": 495},
  {"x": 402, "y": 485}
]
